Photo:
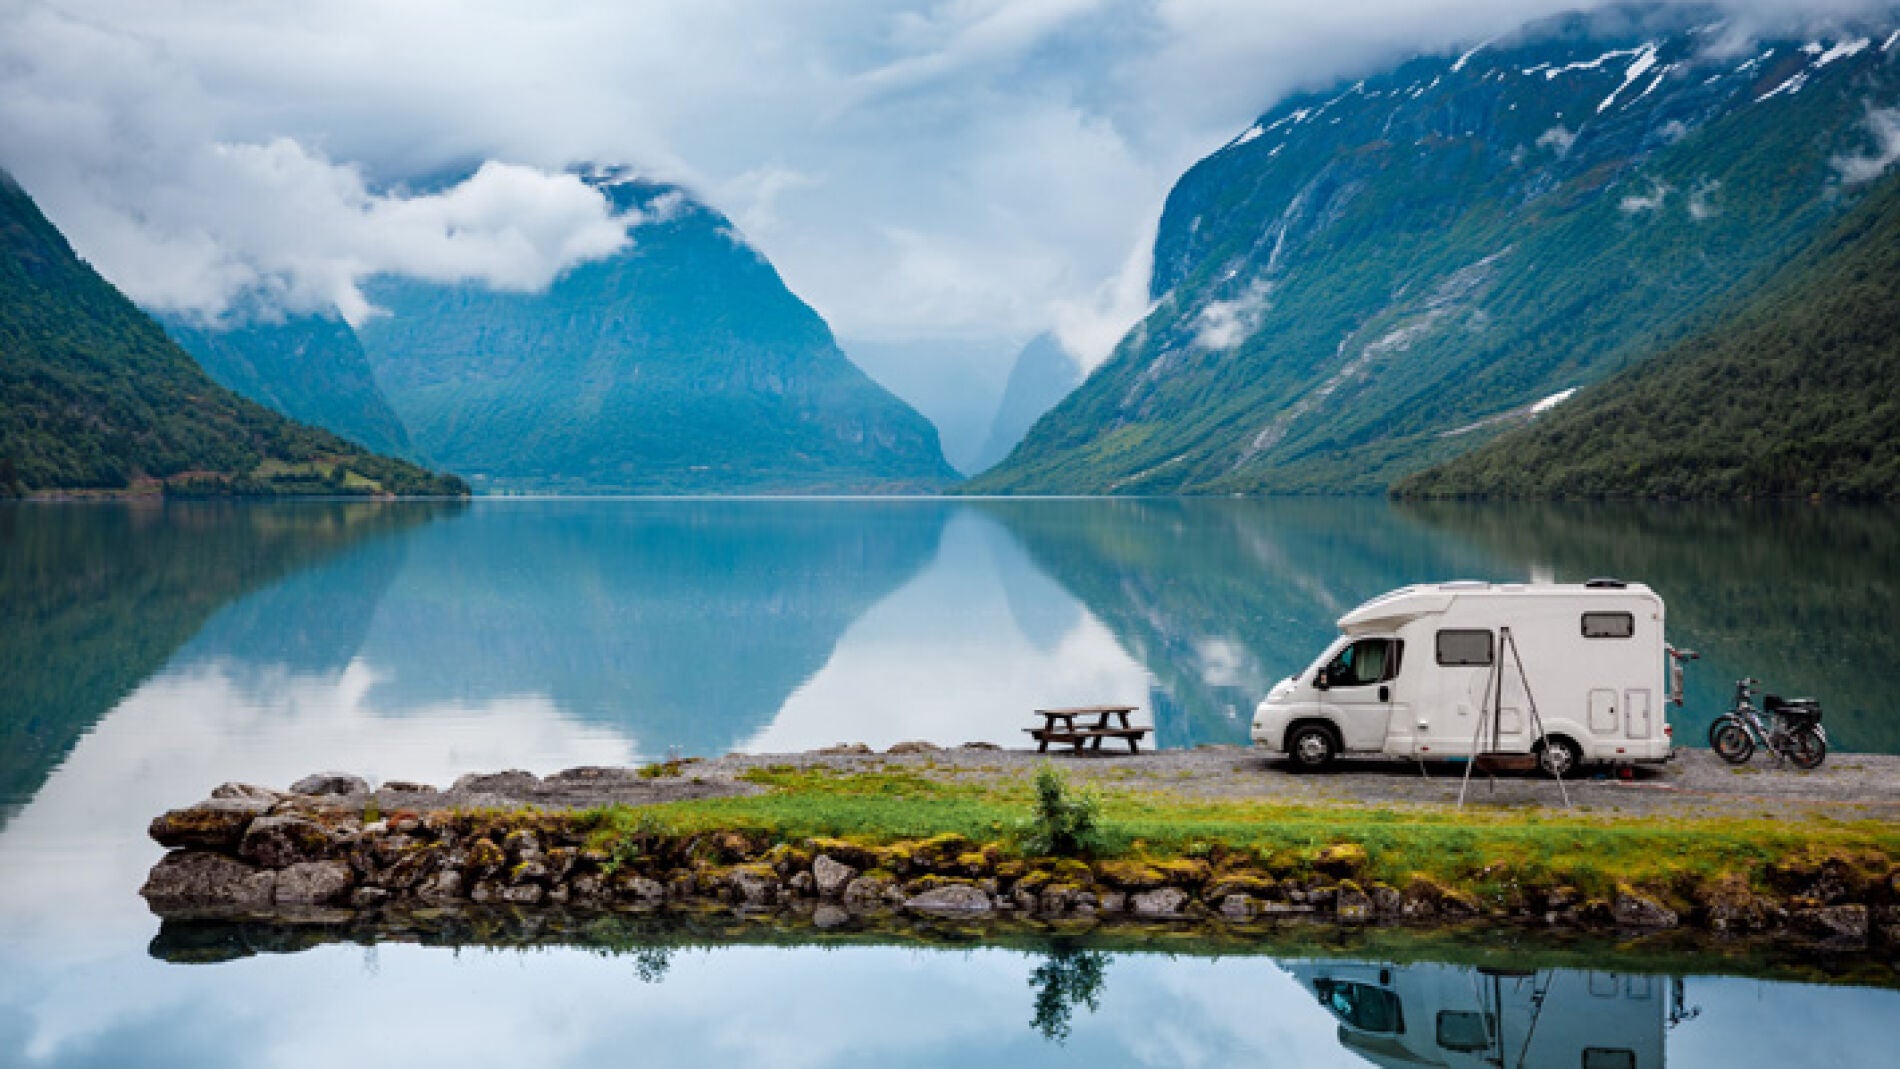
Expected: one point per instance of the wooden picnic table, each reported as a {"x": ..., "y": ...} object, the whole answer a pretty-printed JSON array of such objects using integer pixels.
[{"x": 1058, "y": 725}]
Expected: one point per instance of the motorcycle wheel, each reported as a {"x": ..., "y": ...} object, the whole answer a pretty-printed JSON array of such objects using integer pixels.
[
  {"x": 1806, "y": 748},
  {"x": 1731, "y": 741}
]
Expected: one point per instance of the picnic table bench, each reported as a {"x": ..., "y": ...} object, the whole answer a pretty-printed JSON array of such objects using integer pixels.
[{"x": 1058, "y": 725}]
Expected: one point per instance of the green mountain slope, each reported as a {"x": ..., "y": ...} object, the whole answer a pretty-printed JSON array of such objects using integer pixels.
[
  {"x": 1374, "y": 279},
  {"x": 680, "y": 365},
  {"x": 1797, "y": 393},
  {"x": 309, "y": 367},
  {"x": 94, "y": 396}
]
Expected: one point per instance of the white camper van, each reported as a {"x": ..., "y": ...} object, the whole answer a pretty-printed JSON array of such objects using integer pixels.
[{"x": 1414, "y": 672}]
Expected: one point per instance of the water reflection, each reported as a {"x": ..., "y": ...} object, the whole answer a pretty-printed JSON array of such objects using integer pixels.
[
  {"x": 97, "y": 598},
  {"x": 1453, "y": 1015},
  {"x": 1106, "y": 998}
]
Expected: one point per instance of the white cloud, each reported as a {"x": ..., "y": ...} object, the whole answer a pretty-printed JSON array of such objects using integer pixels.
[
  {"x": 125, "y": 162},
  {"x": 1225, "y": 324},
  {"x": 1088, "y": 327},
  {"x": 1651, "y": 201},
  {"x": 929, "y": 168},
  {"x": 1884, "y": 125},
  {"x": 1702, "y": 204},
  {"x": 1558, "y": 138}
]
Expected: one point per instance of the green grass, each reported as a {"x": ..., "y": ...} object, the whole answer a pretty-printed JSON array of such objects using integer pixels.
[{"x": 1491, "y": 854}]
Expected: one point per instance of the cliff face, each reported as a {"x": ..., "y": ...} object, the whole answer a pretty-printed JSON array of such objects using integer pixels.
[
  {"x": 309, "y": 367},
  {"x": 1377, "y": 277},
  {"x": 680, "y": 365}
]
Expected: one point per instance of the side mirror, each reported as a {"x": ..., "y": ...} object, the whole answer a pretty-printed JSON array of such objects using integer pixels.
[{"x": 1321, "y": 682}]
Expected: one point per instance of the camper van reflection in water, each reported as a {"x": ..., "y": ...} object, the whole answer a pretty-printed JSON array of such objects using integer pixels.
[{"x": 1450, "y": 1015}]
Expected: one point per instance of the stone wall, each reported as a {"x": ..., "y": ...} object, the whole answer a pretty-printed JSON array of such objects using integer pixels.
[{"x": 253, "y": 852}]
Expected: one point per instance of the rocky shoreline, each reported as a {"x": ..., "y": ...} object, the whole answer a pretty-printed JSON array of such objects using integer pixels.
[{"x": 330, "y": 849}]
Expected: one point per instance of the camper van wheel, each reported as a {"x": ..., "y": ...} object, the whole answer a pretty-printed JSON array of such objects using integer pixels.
[
  {"x": 1312, "y": 747},
  {"x": 1559, "y": 757}
]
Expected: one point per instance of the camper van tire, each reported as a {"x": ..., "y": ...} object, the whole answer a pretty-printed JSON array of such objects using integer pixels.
[
  {"x": 1312, "y": 746},
  {"x": 1558, "y": 756}
]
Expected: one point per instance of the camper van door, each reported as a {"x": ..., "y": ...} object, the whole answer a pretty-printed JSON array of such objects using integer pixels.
[{"x": 1358, "y": 694}]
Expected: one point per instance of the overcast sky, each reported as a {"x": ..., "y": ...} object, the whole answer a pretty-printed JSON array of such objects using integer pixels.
[{"x": 968, "y": 168}]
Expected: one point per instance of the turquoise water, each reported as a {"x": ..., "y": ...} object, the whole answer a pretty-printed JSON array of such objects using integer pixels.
[{"x": 153, "y": 652}]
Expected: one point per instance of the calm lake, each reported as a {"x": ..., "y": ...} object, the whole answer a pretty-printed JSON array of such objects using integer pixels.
[{"x": 152, "y": 652}]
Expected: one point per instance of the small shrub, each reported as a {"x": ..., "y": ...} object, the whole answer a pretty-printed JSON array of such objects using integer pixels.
[{"x": 1066, "y": 821}]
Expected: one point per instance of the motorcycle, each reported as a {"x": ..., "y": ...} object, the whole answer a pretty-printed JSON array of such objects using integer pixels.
[{"x": 1789, "y": 727}]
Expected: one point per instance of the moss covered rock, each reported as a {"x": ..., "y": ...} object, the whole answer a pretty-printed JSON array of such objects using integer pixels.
[
  {"x": 218, "y": 824},
  {"x": 1130, "y": 875},
  {"x": 1341, "y": 860}
]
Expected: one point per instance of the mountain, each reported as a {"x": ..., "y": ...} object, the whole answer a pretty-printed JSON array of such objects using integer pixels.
[
  {"x": 1796, "y": 394},
  {"x": 94, "y": 396},
  {"x": 681, "y": 364},
  {"x": 307, "y": 366},
  {"x": 1044, "y": 374},
  {"x": 1377, "y": 277}
]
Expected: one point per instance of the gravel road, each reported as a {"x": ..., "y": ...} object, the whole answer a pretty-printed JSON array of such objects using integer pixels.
[{"x": 1695, "y": 783}]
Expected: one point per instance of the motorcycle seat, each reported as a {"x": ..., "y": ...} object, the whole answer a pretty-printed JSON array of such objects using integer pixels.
[{"x": 1806, "y": 709}]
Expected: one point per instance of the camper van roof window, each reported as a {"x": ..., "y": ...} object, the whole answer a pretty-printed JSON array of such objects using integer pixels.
[
  {"x": 1464, "y": 648},
  {"x": 1609, "y": 624}
]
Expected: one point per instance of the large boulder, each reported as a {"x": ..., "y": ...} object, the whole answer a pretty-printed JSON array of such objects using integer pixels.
[
  {"x": 754, "y": 885},
  {"x": 1732, "y": 905},
  {"x": 188, "y": 880},
  {"x": 1129, "y": 875},
  {"x": 312, "y": 883},
  {"x": 866, "y": 891},
  {"x": 951, "y": 900},
  {"x": 831, "y": 877},
  {"x": 636, "y": 888},
  {"x": 1161, "y": 902},
  {"x": 1341, "y": 860},
  {"x": 1352, "y": 905},
  {"x": 285, "y": 839},
  {"x": 444, "y": 886},
  {"x": 1633, "y": 909},
  {"x": 218, "y": 824},
  {"x": 331, "y": 783}
]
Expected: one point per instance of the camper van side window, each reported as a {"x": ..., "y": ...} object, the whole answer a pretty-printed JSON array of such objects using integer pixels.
[
  {"x": 1461, "y": 648},
  {"x": 1608, "y": 624}
]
